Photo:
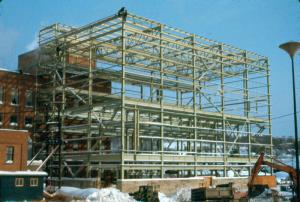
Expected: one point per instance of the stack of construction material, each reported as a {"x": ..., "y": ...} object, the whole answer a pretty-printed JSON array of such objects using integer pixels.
[{"x": 217, "y": 193}]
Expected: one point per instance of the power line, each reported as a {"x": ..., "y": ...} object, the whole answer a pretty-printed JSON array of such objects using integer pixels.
[{"x": 284, "y": 115}]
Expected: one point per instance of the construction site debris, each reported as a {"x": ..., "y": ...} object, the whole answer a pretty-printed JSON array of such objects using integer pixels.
[{"x": 146, "y": 194}]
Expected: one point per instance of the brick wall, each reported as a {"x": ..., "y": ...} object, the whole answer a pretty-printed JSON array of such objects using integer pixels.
[
  {"x": 18, "y": 140},
  {"x": 22, "y": 83},
  {"x": 28, "y": 63}
]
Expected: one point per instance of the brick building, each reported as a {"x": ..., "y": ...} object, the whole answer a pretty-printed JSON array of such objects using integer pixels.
[
  {"x": 16, "y": 118},
  {"x": 16, "y": 100},
  {"x": 13, "y": 149}
]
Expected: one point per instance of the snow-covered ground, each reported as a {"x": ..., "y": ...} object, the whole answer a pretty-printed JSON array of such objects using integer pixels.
[
  {"x": 94, "y": 195},
  {"x": 182, "y": 195},
  {"x": 114, "y": 195}
]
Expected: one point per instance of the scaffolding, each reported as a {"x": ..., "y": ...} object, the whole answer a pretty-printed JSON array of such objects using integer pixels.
[{"x": 140, "y": 99}]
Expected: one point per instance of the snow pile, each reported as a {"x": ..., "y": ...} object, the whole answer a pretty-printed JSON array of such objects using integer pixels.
[
  {"x": 95, "y": 195},
  {"x": 114, "y": 195},
  {"x": 110, "y": 195},
  {"x": 74, "y": 192},
  {"x": 182, "y": 195},
  {"x": 285, "y": 195},
  {"x": 163, "y": 198},
  {"x": 266, "y": 196}
]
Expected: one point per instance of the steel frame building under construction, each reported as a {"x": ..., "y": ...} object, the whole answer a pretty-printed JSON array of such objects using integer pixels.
[{"x": 136, "y": 98}]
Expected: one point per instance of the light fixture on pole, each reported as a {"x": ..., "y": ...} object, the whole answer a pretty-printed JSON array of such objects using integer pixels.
[{"x": 291, "y": 48}]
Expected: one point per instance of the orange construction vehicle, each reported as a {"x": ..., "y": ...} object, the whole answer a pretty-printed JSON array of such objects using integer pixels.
[{"x": 255, "y": 188}]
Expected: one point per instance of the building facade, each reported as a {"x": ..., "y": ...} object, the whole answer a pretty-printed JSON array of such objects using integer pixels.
[
  {"x": 16, "y": 118},
  {"x": 16, "y": 100},
  {"x": 13, "y": 149}
]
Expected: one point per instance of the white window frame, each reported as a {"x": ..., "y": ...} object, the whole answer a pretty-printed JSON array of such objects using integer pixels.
[
  {"x": 19, "y": 182},
  {"x": 34, "y": 182}
]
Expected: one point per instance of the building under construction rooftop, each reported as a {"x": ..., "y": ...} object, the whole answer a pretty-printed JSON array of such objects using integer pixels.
[{"x": 127, "y": 97}]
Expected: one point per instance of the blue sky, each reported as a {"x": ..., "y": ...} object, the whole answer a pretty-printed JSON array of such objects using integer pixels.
[{"x": 254, "y": 25}]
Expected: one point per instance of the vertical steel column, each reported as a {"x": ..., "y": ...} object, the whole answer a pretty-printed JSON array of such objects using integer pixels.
[
  {"x": 194, "y": 103},
  {"x": 245, "y": 87},
  {"x": 151, "y": 87},
  {"x": 247, "y": 104},
  {"x": 61, "y": 109},
  {"x": 52, "y": 114},
  {"x": 177, "y": 93},
  {"x": 200, "y": 99},
  {"x": 161, "y": 94},
  {"x": 269, "y": 109},
  {"x": 127, "y": 146},
  {"x": 269, "y": 105},
  {"x": 223, "y": 111},
  {"x": 123, "y": 110},
  {"x": 136, "y": 130},
  {"x": 90, "y": 122}
]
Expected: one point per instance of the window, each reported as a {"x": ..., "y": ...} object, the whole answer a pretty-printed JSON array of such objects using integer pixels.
[
  {"x": 1, "y": 95},
  {"x": 9, "y": 154},
  {"x": 13, "y": 120},
  {"x": 19, "y": 182},
  {"x": 28, "y": 122},
  {"x": 14, "y": 96},
  {"x": 34, "y": 182},
  {"x": 29, "y": 99}
]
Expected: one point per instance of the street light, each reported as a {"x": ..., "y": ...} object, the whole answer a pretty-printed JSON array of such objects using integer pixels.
[{"x": 291, "y": 48}]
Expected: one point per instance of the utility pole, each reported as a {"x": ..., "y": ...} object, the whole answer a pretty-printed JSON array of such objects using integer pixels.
[{"x": 291, "y": 48}]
